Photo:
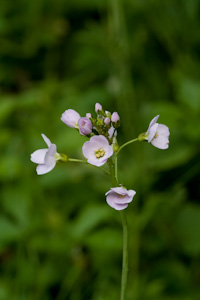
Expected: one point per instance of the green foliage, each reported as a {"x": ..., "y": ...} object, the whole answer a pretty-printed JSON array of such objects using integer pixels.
[{"x": 58, "y": 238}]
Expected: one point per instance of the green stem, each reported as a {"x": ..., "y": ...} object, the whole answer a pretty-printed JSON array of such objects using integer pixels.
[
  {"x": 127, "y": 143},
  {"x": 83, "y": 161},
  {"x": 113, "y": 174},
  {"x": 125, "y": 255}
]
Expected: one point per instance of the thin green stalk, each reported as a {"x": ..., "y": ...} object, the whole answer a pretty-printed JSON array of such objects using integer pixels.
[
  {"x": 85, "y": 162},
  {"x": 125, "y": 144},
  {"x": 113, "y": 173},
  {"x": 125, "y": 256}
]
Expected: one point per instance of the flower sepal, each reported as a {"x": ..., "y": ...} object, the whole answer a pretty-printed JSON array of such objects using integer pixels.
[
  {"x": 143, "y": 137},
  {"x": 62, "y": 157}
]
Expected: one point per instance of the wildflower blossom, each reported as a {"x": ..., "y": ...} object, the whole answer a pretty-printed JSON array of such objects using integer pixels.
[
  {"x": 119, "y": 197},
  {"x": 45, "y": 158},
  {"x": 97, "y": 150},
  {"x": 85, "y": 126},
  {"x": 70, "y": 117},
  {"x": 158, "y": 134}
]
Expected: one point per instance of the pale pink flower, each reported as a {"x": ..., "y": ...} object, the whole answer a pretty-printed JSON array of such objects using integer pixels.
[
  {"x": 158, "y": 134},
  {"x": 85, "y": 126},
  {"x": 119, "y": 197},
  {"x": 45, "y": 158},
  {"x": 97, "y": 150},
  {"x": 70, "y": 117}
]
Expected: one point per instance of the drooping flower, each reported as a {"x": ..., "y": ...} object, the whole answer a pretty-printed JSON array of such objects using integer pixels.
[
  {"x": 158, "y": 134},
  {"x": 115, "y": 117},
  {"x": 85, "y": 126},
  {"x": 97, "y": 150},
  {"x": 70, "y": 117},
  {"x": 45, "y": 158},
  {"x": 98, "y": 107},
  {"x": 119, "y": 197}
]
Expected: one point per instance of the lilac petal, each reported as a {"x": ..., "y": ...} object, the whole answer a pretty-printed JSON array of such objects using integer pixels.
[
  {"x": 43, "y": 169},
  {"x": 49, "y": 157},
  {"x": 115, "y": 205},
  {"x": 47, "y": 141},
  {"x": 97, "y": 161},
  {"x": 38, "y": 156},
  {"x": 100, "y": 141},
  {"x": 119, "y": 199},
  {"x": 70, "y": 117},
  {"x": 163, "y": 130},
  {"x": 152, "y": 132},
  {"x": 131, "y": 193},
  {"x": 119, "y": 190},
  {"x": 153, "y": 121},
  {"x": 160, "y": 142},
  {"x": 109, "y": 152},
  {"x": 88, "y": 149}
]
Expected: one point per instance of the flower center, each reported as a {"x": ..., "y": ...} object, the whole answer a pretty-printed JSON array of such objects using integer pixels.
[
  {"x": 156, "y": 135},
  {"x": 99, "y": 153}
]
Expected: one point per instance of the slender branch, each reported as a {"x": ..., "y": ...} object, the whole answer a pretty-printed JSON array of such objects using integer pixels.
[
  {"x": 127, "y": 143},
  {"x": 84, "y": 161},
  {"x": 125, "y": 256}
]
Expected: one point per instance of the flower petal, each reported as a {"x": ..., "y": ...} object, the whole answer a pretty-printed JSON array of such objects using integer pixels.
[
  {"x": 46, "y": 139},
  {"x": 160, "y": 142},
  {"x": 152, "y": 132},
  {"x": 49, "y": 157},
  {"x": 163, "y": 130},
  {"x": 153, "y": 121},
  {"x": 43, "y": 169},
  {"x": 38, "y": 156}
]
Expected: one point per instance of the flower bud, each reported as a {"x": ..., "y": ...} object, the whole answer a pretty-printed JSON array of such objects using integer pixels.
[
  {"x": 98, "y": 107},
  {"x": 88, "y": 115},
  {"x": 115, "y": 117},
  {"x": 85, "y": 126},
  {"x": 107, "y": 121}
]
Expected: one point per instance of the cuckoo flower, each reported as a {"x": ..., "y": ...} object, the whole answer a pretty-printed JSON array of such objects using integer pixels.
[
  {"x": 119, "y": 197},
  {"x": 158, "y": 134},
  {"x": 85, "y": 126},
  {"x": 45, "y": 158},
  {"x": 97, "y": 150},
  {"x": 70, "y": 117}
]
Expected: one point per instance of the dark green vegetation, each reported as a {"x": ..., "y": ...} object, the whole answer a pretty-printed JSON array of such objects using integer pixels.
[{"x": 59, "y": 239}]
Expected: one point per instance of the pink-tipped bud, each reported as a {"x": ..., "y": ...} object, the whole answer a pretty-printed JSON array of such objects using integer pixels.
[
  {"x": 98, "y": 107},
  {"x": 88, "y": 115},
  {"x": 107, "y": 121},
  {"x": 115, "y": 117}
]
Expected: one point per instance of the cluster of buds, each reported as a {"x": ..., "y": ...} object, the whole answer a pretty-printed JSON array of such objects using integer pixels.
[{"x": 102, "y": 144}]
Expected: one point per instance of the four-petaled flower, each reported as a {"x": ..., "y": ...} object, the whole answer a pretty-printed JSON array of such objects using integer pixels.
[
  {"x": 97, "y": 150},
  {"x": 45, "y": 158},
  {"x": 119, "y": 197},
  {"x": 158, "y": 134}
]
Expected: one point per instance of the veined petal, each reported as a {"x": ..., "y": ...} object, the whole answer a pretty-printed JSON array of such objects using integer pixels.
[
  {"x": 46, "y": 139},
  {"x": 50, "y": 155},
  {"x": 160, "y": 142},
  {"x": 163, "y": 130},
  {"x": 38, "y": 156},
  {"x": 43, "y": 169},
  {"x": 152, "y": 132},
  {"x": 153, "y": 121}
]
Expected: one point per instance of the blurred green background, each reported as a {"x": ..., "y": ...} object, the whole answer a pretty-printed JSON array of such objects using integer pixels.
[{"x": 58, "y": 237}]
